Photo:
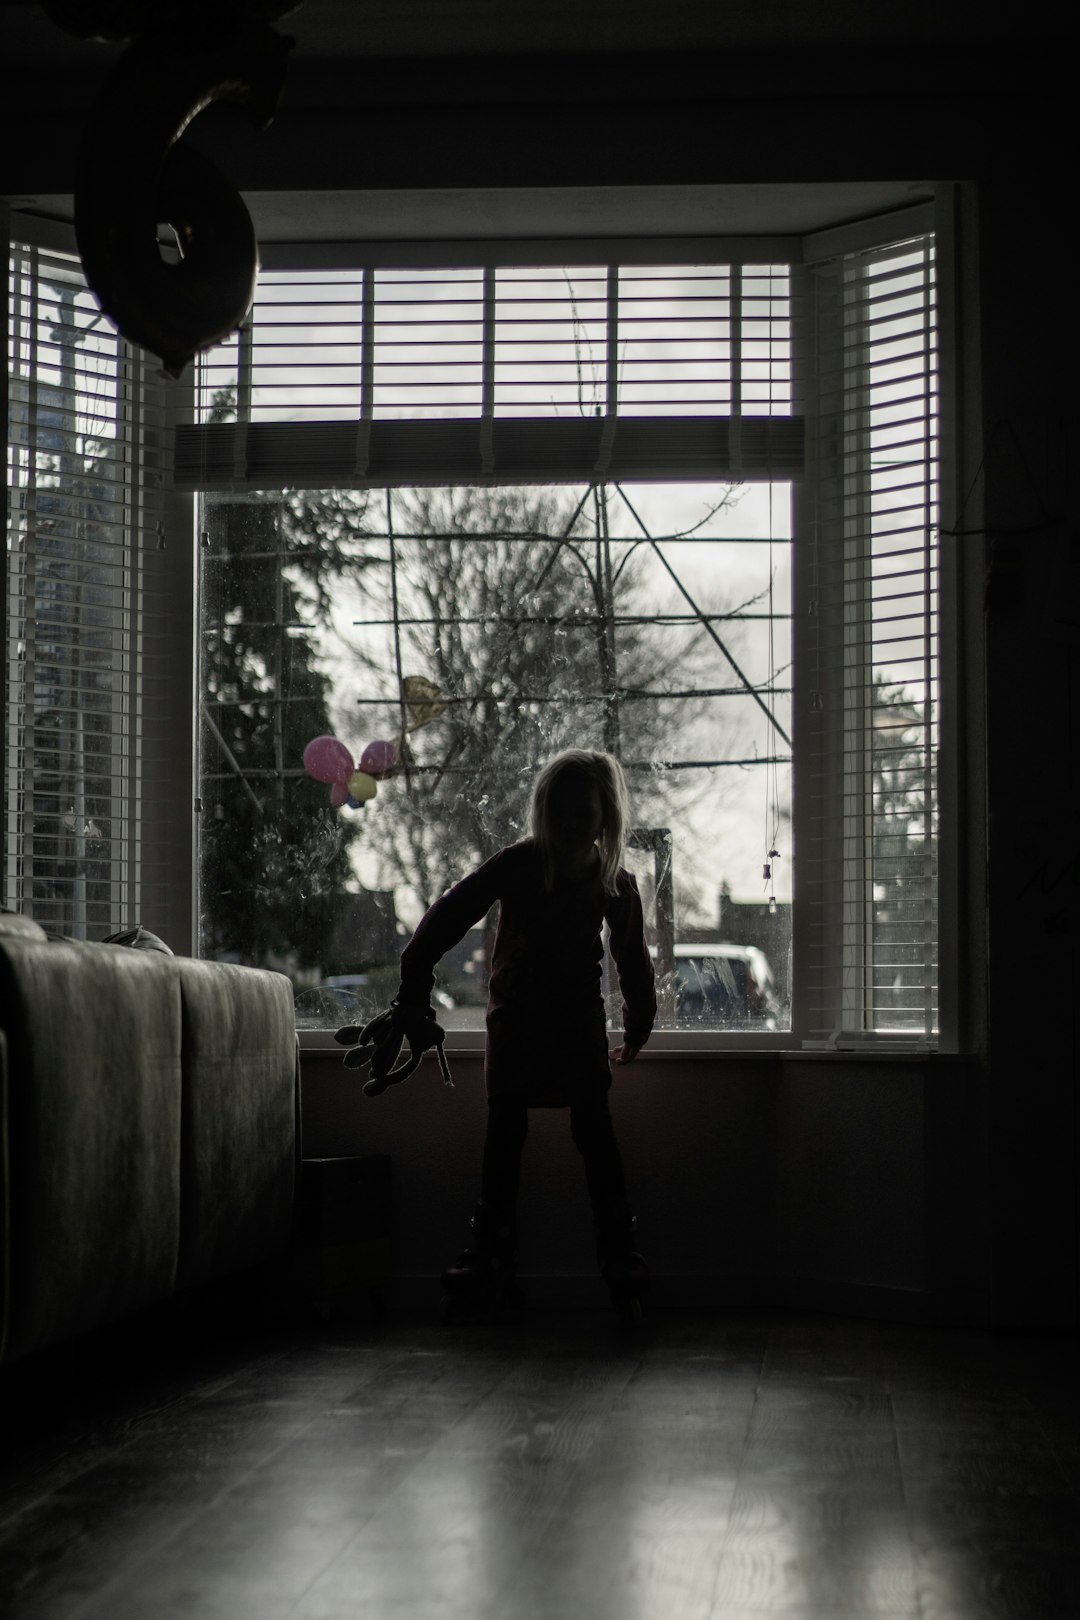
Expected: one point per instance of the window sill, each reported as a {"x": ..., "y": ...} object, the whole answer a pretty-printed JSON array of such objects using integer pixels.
[
  {"x": 666, "y": 1043},
  {"x": 681, "y": 1046}
]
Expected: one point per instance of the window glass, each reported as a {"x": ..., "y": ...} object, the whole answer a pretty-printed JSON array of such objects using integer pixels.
[{"x": 479, "y": 630}]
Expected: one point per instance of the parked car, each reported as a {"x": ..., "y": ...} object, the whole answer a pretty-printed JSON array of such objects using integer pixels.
[
  {"x": 356, "y": 982},
  {"x": 331, "y": 1004},
  {"x": 724, "y": 986},
  {"x": 347, "y": 998},
  {"x": 345, "y": 981}
]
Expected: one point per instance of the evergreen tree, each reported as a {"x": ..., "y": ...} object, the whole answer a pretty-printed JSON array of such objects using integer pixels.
[{"x": 274, "y": 855}]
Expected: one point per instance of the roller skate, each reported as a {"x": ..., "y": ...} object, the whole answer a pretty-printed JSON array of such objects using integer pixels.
[
  {"x": 483, "y": 1278},
  {"x": 621, "y": 1266}
]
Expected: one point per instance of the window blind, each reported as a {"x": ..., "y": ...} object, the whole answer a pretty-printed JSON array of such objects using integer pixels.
[
  {"x": 84, "y": 439},
  {"x": 500, "y": 373},
  {"x": 868, "y": 868}
]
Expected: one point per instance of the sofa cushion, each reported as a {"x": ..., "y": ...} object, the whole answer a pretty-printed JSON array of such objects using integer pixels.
[
  {"x": 239, "y": 1132},
  {"x": 92, "y": 1134},
  {"x": 13, "y": 925}
]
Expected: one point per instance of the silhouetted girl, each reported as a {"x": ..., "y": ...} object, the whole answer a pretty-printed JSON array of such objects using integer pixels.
[{"x": 547, "y": 1042}]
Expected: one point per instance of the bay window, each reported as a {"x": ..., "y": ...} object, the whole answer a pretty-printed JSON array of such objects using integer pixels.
[{"x": 487, "y": 505}]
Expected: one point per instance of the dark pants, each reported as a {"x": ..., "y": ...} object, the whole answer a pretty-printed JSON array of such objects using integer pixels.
[{"x": 593, "y": 1135}]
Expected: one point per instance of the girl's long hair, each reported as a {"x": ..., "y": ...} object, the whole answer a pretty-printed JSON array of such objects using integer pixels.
[{"x": 606, "y": 774}]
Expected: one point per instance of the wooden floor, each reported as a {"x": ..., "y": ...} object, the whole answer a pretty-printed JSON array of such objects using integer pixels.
[{"x": 549, "y": 1466}]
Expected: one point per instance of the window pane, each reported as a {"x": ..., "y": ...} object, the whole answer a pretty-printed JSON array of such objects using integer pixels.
[{"x": 490, "y": 627}]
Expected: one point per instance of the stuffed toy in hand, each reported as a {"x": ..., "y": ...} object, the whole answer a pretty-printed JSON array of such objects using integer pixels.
[{"x": 380, "y": 1041}]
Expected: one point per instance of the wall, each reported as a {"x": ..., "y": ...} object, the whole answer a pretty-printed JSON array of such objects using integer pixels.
[
  {"x": 1024, "y": 497},
  {"x": 755, "y": 1180}
]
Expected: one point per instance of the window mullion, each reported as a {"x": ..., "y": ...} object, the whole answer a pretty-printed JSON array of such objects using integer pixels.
[
  {"x": 362, "y": 456},
  {"x": 611, "y": 403},
  {"x": 244, "y": 389}
]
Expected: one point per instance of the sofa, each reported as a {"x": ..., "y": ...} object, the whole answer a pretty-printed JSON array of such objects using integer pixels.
[{"x": 148, "y": 1128}]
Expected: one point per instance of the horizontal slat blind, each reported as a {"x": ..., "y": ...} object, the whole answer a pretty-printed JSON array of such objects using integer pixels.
[
  {"x": 426, "y": 337},
  {"x": 84, "y": 442},
  {"x": 873, "y": 719},
  {"x": 550, "y": 341},
  {"x": 674, "y": 341},
  {"x": 499, "y": 373}
]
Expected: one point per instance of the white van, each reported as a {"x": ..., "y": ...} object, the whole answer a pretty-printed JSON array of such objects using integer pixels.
[{"x": 724, "y": 986}]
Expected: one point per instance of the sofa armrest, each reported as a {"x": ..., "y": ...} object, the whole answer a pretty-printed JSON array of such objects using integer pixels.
[
  {"x": 92, "y": 1134},
  {"x": 239, "y": 1116}
]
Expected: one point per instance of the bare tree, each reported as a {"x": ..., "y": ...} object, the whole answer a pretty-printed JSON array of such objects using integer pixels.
[{"x": 538, "y": 630}]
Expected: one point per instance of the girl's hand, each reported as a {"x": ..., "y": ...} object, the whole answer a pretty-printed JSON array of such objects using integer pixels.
[{"x": 626, "y": 1053}]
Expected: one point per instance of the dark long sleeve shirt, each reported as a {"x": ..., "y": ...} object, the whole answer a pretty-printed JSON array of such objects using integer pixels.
[{"x": 545, "y": 1017}]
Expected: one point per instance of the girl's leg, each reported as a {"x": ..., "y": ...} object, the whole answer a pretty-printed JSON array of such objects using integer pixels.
[
  {"x": 507, "y": 1128},
  {"x": 486, "y": 1270},
  {"x": 622, "y": 1267},
  {"x": 594, "y": 1136}
]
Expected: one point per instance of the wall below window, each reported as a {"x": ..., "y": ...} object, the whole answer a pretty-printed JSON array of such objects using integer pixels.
[{"x": 834, "y": 1184}]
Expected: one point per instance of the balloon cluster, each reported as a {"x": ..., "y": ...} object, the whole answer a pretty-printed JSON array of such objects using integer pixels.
[
  {"x": 328, "y": 760},
  {"x": 352, "y": 784}
]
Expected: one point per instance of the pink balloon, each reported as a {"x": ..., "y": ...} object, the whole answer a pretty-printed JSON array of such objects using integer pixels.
[
  {"x": 339, "y": 795},
  {"x": 379, "y": 758},
  {"x": 328, "y": 760}
]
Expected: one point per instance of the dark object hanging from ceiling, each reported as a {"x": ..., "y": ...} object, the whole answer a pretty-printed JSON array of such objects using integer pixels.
[{"x": 134, "y": 179}]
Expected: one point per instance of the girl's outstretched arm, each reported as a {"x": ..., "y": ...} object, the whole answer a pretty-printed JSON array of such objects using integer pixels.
[
  {"x": 633, "y": 964},
  {"x": 444, "y": 924}
]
